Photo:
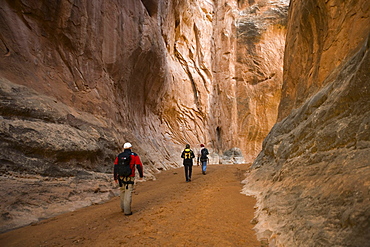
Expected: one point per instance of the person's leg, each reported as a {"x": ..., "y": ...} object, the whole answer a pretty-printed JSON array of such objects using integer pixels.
[
  {"x": 190, "y": 171},
  {"x": 204, "y": 167},
  {"x": 186, "y": 167},
  {"x": 122, "y": 197},
  {"x": 127, "y": 198}
]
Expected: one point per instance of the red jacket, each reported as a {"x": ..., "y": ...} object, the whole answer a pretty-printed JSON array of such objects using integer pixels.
[{"x": 134, "y": 162}]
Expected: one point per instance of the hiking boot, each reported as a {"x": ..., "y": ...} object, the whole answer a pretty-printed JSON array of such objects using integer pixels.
[{"x": 128, "y": 214}]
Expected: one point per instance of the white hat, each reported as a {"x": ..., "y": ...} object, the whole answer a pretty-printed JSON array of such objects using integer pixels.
[{"x": 127, "y": 145}]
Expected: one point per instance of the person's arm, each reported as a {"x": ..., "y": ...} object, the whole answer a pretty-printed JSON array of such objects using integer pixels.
[
  {"x": 139, "y": 166},
  {"x": 115, "y": 175}
]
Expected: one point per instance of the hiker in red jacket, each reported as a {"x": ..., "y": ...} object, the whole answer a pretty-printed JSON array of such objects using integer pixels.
[{"x": 124, "y": 174}]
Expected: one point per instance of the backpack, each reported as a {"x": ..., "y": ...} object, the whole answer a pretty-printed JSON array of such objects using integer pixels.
[
  {"x": 123, "y": 166},
  {"x": 187, "y": 154},
  {"x": 203, "y": 154}
]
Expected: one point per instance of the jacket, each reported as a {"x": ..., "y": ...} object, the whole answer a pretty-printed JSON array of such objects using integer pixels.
[
  {"x": 184, "y": 156},
  {"x": 135, "y": 162},
  {"x": 200, "y": 154}
]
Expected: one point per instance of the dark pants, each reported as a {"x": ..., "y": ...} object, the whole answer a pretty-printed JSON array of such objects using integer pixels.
[{"x": 188, "y": 171}]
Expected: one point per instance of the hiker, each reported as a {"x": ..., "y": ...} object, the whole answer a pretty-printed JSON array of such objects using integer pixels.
[
  {"x": 124, "y": 174},
  {"x": 188, "y": 156},
  {"x": 203, "y": 158}
]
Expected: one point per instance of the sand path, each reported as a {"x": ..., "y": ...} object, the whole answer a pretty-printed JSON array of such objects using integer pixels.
[{"x": 209, "y": 211}]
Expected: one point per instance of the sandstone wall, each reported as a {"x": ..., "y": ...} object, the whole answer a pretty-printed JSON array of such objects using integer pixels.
[
  {"x": 157, "y": 73},
  {"x": 80, "y": 78},
  {"x": 261, "y": 29},
  {"x": 74, "y": 55},
  {"x": 312, "y": 176},
  {"x": 247, "y": 53}
]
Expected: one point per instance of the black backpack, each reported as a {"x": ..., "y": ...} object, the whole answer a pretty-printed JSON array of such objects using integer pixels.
[
  {"x": 123, "y": 166},
  {"x": 203, "y": 154}
]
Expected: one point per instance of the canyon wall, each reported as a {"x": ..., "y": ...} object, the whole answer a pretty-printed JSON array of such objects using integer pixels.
[
  {"x": 65, "y": 71},
  {"x": 156, "y": 73},
  {"x": 311, "y": 178},
  {"x": 261, "y": 30},
  {"x": 80, "y": 78}
]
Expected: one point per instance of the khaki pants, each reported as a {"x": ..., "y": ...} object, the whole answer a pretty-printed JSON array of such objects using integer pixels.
[{"x": 126, "y": 195}]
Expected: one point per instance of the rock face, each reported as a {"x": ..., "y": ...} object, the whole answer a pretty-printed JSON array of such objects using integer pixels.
[
  {"x": 78, "y": 82},
  {"x": 261, "y": 30},
  {"x": 27, "y": 199},
  {"x": 80, "y": 78},
  {"x": 160, "y": 74},
  {"x": 312, "y": 176}
]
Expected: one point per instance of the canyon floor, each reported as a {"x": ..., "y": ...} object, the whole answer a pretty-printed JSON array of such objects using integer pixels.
[{"x": 208, "y": 211}]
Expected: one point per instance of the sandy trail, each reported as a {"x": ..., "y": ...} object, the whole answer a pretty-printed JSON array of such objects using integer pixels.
[{"x": 209, "y": 211}]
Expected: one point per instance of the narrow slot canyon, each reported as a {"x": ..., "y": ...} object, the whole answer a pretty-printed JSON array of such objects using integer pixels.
[{"x": 278, "y": 91}]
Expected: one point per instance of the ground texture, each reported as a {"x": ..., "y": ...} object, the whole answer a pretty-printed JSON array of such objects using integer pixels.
[{"x": 208, "y": 211}]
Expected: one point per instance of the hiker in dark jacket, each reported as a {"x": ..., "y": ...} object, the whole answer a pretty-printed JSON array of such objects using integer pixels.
[
  {"x": 203, "y": 158},
  {"x": 188, "y": 156},
  {"x": 126, "y": 184}
]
